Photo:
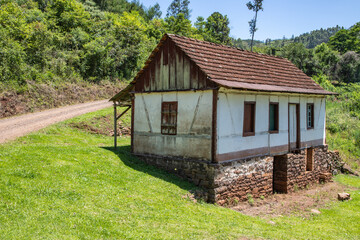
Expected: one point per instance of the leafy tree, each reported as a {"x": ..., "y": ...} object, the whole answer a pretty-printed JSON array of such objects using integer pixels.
[
  {"x": 347, "y": 69},
  {"x": 12, "y": 57},
  {"x": 301, "y": 57},
  {"x": 181, "y": 26},
  {"x": 324, "y": 81},
  {"x": 12, "y": 18},
  {"x": 346, "y": 40},
  {"x": 326, "y": 58},
  {"x": 69, "y": 14},
  {"x": 153, "y": 12},
  {"x": 200, "y": 25},
  {"x": 177, "y": 7},
  {"x": 217, "y": 28},
  {"x": 255, "y": 6}
]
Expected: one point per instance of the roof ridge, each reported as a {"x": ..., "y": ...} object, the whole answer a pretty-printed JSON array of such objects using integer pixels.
[{"x": 222, "y": 45}]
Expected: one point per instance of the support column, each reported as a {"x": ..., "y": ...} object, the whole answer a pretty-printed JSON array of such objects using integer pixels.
[{"x": 115, "y": 126}]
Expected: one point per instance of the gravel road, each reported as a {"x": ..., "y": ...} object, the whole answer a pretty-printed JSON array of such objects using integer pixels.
[{"x": 11, "y": 128}]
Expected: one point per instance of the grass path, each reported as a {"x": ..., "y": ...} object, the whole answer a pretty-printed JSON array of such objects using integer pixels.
[{"x": 64, "y": 183}]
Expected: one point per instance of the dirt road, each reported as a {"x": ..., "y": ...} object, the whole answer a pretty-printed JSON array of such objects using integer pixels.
[{"x": 11, "y": 128}]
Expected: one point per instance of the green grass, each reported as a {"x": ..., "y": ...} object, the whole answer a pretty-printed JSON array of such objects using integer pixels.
[
  {"x": 343, "y": 133},
  {"x": 65, "y": 183}
]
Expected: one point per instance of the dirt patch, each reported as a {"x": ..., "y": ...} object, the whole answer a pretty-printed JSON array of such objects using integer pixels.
[
  {"x": 103, "y": 125},
  {"x": 42, "y": 96},
  {"x": 300, "y": 203},
  {"x": 11, "y": 128}
]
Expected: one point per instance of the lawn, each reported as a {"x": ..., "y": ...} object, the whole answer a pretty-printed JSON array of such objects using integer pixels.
[{"x": 66, "y": 183}]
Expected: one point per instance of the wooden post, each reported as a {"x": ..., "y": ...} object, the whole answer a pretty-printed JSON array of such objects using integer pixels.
[{"x": 115, "y": 126}]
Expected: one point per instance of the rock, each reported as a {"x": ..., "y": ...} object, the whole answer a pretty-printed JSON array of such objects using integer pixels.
[
  {"x": 315, "y": 211},
  {"x": 347, "y": 169},
  {"x": 343, "y": 196}
]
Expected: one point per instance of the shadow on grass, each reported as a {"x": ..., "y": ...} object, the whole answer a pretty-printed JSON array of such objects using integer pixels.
[{"x": 123, "y": 152}]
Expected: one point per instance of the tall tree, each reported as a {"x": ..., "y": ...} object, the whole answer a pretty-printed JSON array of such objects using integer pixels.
[
  {"x": 153, "y": 12},
  {"x": 179, "y": 6},
  {"x": 255, "y": 6},
  {"x": 217, "y": 28}
]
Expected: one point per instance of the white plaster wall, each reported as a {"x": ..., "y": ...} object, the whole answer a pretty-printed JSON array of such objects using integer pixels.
[
  {"x": 230, "y": 121},
  {"x": 318, "y": 132},
  {"x": 194, "y": 121}
]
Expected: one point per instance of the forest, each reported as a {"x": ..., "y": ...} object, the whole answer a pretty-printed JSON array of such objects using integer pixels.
[
  {"x": 56, "y": 42},
  {"x": 67, "y": 40}
]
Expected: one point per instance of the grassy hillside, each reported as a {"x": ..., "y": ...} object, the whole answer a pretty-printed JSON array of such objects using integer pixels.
[{"x": 67, "y": 183}]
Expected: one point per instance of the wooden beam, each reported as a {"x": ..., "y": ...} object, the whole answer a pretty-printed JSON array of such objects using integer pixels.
[
  {"x": 115, "y": 127},
  {"x": 214, "y": 127},
  {"x": 117, "y": 118}
]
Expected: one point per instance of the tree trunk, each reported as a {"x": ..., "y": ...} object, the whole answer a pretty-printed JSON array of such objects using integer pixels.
[{"x": 252, "y": 38}]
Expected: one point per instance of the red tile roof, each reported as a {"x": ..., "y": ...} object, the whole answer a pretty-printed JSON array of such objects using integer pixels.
[{"x": 235, "y": 68}]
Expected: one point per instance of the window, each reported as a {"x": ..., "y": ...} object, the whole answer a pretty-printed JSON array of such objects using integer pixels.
[
  {"x": 249, "y": 119},
  {"x": 309, "y": 159},
  {"x": 274, "y": 117},
  {"x": 310, "y": 115},
  {"x": 169, "y": 118}
]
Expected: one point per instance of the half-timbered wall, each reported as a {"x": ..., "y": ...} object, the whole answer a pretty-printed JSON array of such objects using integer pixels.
[
  {"x": 193, "y": 135},
  {"x": 231, "y": 144},
  {"x": 171, "y": 70}
]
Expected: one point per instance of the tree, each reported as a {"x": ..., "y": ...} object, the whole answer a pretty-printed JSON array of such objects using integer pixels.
[
  {"x": 255, "y": 6},
  {"x": 326, "y": 58},
  {"x": 348, "y": 68},
  {"x": 217, "y": 28},
  {"x": 177, "y": 7},
  {"x": 153, "y": 12},
  {"x": 179, "y": 25},
  {"x": 346, "y": 40},
  {"x": 301, "y": 57}
]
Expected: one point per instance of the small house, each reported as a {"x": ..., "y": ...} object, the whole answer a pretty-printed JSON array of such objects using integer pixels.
[{"x": 232, "y": 121}]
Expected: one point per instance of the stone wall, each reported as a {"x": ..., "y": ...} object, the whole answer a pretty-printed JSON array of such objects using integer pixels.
[
  {"x": 235, "y": 180},
  {"x": 299, "y": 177}
]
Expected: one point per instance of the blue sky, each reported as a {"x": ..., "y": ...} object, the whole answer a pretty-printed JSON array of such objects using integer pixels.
[{"x": 279, "y": 18}]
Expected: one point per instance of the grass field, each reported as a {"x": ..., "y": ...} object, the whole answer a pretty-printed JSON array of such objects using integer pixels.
[{"x": 66, "y": 183}]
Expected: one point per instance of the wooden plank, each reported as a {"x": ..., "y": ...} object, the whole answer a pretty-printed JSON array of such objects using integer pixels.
[
  {"x": 193, "y": 76},
  {"x": 186, "y": 73},
  {"x": 179, "y": 70},
  {"x": 164, "y": 69},
  {"x": 158, "y": 72},
  {"x": 172, "y": 66}
]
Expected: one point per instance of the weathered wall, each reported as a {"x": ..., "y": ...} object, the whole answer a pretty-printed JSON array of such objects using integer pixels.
[
  {"x": 170, "y": 70},
  {"x": 230, "y": 141},
  {"x": 194, "y": 125}
]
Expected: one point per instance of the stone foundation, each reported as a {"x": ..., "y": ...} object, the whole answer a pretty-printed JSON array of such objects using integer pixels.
[{"x": 233, "y": 181}]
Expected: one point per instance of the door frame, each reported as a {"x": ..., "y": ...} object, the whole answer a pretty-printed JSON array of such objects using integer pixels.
[{"x": 297, "y": 126}]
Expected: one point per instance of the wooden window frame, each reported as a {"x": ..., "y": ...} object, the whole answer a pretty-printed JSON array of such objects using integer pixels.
[
  {"x": 276, "y": 118},
  {"x": 170, "y": 114},
  {"x": 312, "y": 116},
  {"x": 247, "y": 134}
]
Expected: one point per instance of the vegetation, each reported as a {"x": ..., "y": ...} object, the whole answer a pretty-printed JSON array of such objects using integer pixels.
[
  {"x": 65, "y": 183},
  {"x": 255, "y": 6}
]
